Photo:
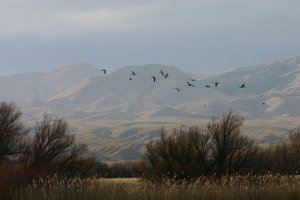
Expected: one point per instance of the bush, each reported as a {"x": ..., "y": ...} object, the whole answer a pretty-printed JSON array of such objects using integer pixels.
[
  {"x": 294, "y": 143},
  {"x": 182, "y": 155},
  {"x": 12, "y": 132},
  {"x": 89, "y": 167},
  {"x": 220, "y": 149},
  {"x": 125, "y": 169},
  {"x": 284, "y": 157},
  {"x": 232, "y": 152},
  {"x": 13, "y": 176},
  {"x": 52, "y": 149}
]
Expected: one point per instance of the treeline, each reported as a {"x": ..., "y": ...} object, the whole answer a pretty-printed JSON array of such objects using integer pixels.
[
  {"x": 218, "y": 149},
  {"x": 45, "y": 150}
]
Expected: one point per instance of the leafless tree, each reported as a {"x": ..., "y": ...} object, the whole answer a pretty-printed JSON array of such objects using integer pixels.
[
  {"x": 220, "y": 149},
  {"x": 282, "y": 157},
  {"x": 286, "y": 154},
  {"x": 180, "y": 156},
  {"x": 231, "y": 151},
  {"x": 12, "y": 131},
  {"x": 52, "y": 146},
  {"x": 294, "y": 140}
]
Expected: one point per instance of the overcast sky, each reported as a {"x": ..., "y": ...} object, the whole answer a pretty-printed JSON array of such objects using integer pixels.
[{"x": 202, "y": 36}]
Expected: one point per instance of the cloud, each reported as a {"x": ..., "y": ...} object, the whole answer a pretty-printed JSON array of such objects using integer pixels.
[
  {"x": 52, "y": 18},
  {"x": 191, "y": 32},
  {"x": 60, "y": 18}
]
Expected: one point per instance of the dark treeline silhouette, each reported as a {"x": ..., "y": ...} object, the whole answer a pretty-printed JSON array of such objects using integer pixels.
[
  {"x": 218, "y": 149},
  {"x": 12, "y": 132},
  {"x": 52, "y": 149},
  {"x": 45, "y": 150}
]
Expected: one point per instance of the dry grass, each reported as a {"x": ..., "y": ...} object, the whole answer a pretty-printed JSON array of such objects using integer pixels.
[{"x": 235, "y": 187}]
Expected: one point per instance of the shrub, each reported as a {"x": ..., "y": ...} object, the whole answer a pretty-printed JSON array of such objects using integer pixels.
[
  {"x": 12, "y": 131},
  {"x": 89, "y": 167},
  {"x": 220, "y": 149},
  {"x": 284, "y": 156},
  {"x": 125, "y": 169},
  {"x": 52, "y": 149},
  {"x": 232, "y": 152}
]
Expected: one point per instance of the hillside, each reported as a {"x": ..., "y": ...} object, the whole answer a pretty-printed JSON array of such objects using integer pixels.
[{"x": 122, "y": 114}]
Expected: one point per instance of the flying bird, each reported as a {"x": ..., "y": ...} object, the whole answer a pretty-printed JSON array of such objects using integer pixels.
[
  {"x": 167, "y": 75},
  {"x": 104, "y": 71},
  {"x": 162, "y": 72},
  {"x": 177, "y": 89},
  {"x": 189, "y": 84},
  {"x": 130, "y": 79},
  {"x": 207, "y": 86},
  {"x": 216, "y": 83},
  {"x": 154, "y": 78},
  {"x": 242, "y": 86},
  {"x": 263, "y": 103},
  {"x": 133, "y": 73}
]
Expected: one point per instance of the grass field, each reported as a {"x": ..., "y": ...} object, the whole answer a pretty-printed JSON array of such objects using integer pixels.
[{"x": 235, "y": 187}]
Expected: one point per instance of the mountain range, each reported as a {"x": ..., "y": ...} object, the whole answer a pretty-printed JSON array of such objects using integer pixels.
[{"x": 116, "y": 116}]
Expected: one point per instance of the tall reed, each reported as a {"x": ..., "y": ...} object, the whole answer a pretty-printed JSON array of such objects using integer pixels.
[{"x": 232, "y": 187}]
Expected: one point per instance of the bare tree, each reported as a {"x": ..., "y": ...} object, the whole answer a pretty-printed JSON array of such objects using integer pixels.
[
  {"x": 294, "y": 140},
  {"x": 231, "y": 150},
  {"x": 180, "y": 156},
  {"x": 53, "y": 146},
  {"x": 284, "y": 156},
  {"x": 281, "y": 157},
  {"x": 12, "y": 131},
  {"x": 221, "y": 149}
]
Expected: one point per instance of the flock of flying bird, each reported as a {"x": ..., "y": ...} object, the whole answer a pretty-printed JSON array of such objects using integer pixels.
[{"x": 166, "y": 75}]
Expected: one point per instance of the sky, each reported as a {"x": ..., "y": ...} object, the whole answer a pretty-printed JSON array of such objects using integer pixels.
[{"x": 202, "y": 36}]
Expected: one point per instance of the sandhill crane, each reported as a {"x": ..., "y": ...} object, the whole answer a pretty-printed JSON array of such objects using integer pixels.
[
  {"x": 133, "y": 73},
  {"x": 104, "y": 71},
  {"x": 216, "y": 83},
  {"x": 162, "y": 72},
  {"x": 177, "y": 89},
  {"x": 242, "y": 86},
  {"x": 167, "y": 75},
  {"x": 189, "y": 84},
  {"x": 154, "y": 78}
]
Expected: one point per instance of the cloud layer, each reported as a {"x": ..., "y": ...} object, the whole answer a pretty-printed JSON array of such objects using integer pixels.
[{"x": 200, "y": 35}]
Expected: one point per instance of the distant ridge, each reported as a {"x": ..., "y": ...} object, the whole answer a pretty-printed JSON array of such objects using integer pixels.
[
  {"x": 84, "y": 88},
  {"x": 117, "y": 113}
]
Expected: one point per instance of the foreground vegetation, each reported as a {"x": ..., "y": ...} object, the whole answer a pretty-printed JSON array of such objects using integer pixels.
[
  {"x": 273, "y": 187},
  {"x": 213, "y": 162}
]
